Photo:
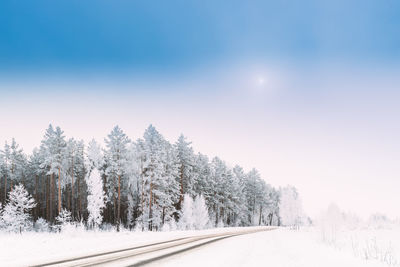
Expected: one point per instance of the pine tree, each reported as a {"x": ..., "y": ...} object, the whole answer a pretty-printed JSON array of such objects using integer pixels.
[
  {"x": 80, "y": 173},
  {"x": 35, "y": 174},
  {"x": 133, "y": 170},
  {"x": 116, "y": 156},
  {"x": 158, "y": 180},
  {"x": 54, "y": 145},
  {"x": 14, "y": 163},
  {"x": 5, "y": 169},
  {"x": 17, "y": 163},
  {"x": 16, "y": 215},
  {"x": 185, "y": 158},
  {"x": 63, "y": 220},
  {"x": 70, "y": 172},
  {"x": 96, "y": 196}
]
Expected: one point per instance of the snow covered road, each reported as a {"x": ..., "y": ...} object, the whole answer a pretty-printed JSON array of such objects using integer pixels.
[{"x": 27, "y": 249}]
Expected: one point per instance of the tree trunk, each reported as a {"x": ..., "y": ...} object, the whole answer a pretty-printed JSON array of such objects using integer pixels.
[
  {"x": 5, "y": 189},
  {"x": 72, "y": 188},
  {"x": 150, "y": 205},
  {"x": 67, "y": 188},
  {"x": 142, "y": 207},
  {"x": 79, "y": 197},
  {"x": 36, "y": 197},
  {"x": 51, "y": 189},
  {"x": 259, "y": 220},
  {"x": 181, "y": 195},
  {"x": 119, "y": 202},
  {"x": 163, "y": 215},
  {"x": 59, "y": 190},
  {"x": 11, "y": 180}
]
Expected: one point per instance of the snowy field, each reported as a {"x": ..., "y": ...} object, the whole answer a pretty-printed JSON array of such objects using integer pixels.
[
  {"x": 281, "y": 247},
  {"x": 286, "y": 248}
]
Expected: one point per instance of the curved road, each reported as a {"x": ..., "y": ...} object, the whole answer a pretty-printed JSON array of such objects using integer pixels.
[{"x": 151, "y": 253}]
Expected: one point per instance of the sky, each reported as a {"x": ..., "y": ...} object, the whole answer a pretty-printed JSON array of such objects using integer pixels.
[{"x": 307, "y": 91}]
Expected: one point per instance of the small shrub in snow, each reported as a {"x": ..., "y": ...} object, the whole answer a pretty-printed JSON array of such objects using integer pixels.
[
  {"x": 16, "y": 215},
  {"x": 63, "y": 220},
  {"x": 41, "y": 225}
]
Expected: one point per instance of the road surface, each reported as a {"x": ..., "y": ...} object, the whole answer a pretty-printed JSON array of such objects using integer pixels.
[{"x": 154, "y": 253}]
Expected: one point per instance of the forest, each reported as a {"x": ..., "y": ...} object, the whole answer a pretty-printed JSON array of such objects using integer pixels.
[{"x": 147, "y": 184}]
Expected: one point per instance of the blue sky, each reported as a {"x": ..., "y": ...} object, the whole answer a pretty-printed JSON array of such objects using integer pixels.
[
  {"x": 305, "y": 91},
  {"x": 186, "y": 34}
]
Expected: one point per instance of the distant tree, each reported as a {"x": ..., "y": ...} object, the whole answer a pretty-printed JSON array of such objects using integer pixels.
[{"x": 290, "y": 209}]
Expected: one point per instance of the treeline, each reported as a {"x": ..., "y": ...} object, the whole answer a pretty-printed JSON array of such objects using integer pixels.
[{"x": 144, "y": 181}]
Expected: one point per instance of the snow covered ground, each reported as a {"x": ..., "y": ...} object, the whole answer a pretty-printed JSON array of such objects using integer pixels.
[{"x": 280, "y": 247}]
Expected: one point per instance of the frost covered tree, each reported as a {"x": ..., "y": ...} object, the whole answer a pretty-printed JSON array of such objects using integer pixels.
[
  {"x": 16, "y": 215},
  {"x": 54, "y": 145},
  {"x": 64, "y": 218},
  {"x": 80, "y": 174},
  {"x": 70, "y": 160},
  {"x": 158, "y": 180},
  {"x": 290, "y": 209},
  {"x": 186, "y": 220},
  {"x": 36, "y": 175},
  {"x": 133, "y": 174},
  {"x": 185, "y": 157},
  {"x": 145, "y": 182},
  {"x": 95, "y": 198},
  {"x": 5, "y": 169},
  {"x": 13, "y": 166},
  {"x": 116, "y": 156},
  {"x": 239, "y": 179},
  {"x": 200, "y": 213},
  {"x": 95, "y": 157},
  {"x": 41, "y": 225}
]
